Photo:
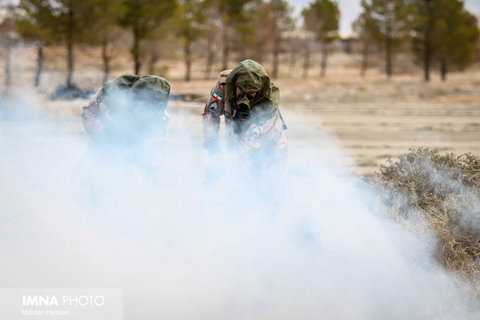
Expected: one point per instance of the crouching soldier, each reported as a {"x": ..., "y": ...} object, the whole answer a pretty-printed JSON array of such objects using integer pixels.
[
  {"x": 126, "y": 121},
  {"x": 254, "y": 127}
]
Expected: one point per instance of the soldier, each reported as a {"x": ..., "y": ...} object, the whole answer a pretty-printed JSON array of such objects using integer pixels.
[
  {"x": 126, "y": 121},
  {"x": 253, "y": 123}
]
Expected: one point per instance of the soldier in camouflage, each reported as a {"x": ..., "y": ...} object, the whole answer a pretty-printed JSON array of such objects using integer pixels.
[
  {"x": 253, "y": 123},
  {"x": 126, "y": 120}
]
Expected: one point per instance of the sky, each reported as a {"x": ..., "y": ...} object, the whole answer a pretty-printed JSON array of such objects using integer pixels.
[{"x": 350, "y": 9}]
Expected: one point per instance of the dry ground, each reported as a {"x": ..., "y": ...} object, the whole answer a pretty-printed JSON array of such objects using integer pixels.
[{"x": 371, "y": 118}]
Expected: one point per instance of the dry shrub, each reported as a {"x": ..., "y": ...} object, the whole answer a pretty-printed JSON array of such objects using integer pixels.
[{"x": 440, "y": 192}]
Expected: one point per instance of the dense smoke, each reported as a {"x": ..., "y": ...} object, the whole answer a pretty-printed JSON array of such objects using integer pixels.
[{"x": 185, "y": 247}]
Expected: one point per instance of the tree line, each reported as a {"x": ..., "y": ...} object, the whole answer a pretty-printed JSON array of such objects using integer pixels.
[{"x": 439, "y": 33}]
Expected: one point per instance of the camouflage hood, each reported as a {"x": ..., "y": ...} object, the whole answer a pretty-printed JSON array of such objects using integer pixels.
[
  {"x": 250, "y": 75},
  {"x": 150, "y": 89}
]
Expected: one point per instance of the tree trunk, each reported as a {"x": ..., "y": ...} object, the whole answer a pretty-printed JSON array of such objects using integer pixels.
[
  {"x": 259, "y": 51},
  {"x": 40, "y": 58},
  {"x": 293, "y": 62},
  {"x": 323, "y": 69},
  {"x": 136, "y": 50},
  {"x": 388, "y": 57},
  {"x": 443, "y": 69},
  {"x": 276, "y": 54},
  {"x": 210, "y": 56},
  {"x": 363, "y": 69},
  {"x": 106, "y": 61},
  {"x": 426, "y": 62},
  {"x": 188, "y": 59},
  {"x": 226, "y": 48},
  {"x": 427, "y": 52},
  {"x": 306, "y": 59},
  {"x": 8, "y": 73},
  {"x": 154, "y": 57},
  {"x": 70, "y": 41}
]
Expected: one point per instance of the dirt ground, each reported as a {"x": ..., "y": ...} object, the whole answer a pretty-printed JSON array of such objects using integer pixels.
[{"x": 372, "y": 119}]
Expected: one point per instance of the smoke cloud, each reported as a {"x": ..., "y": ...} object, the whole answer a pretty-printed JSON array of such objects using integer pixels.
[{"x": 184, "y": 247}]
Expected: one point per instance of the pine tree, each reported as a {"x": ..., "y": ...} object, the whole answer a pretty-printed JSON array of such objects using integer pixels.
[
  {"x": 103, "y": 21},
  {"x": 281, "y": 21},
  {"x": 141, "y": 17},
  {"x": 234, "y": 22},
  {"x": 65, "y": 20},
  {"x": 7, "y": 38},
  {"x": 34, "y": 23},
  {"x": 366, "y": 31},
  {"x": 191, "y": 26},
  {"x": 322, "y": 18},
  {"x": 445, "y": 33},
  {"x": 392, "y": 20}
]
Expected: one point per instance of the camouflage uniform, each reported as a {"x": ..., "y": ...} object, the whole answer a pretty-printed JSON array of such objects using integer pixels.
[
  {"x": 90, "y": 115},
  {"x": 215, "y": 108},
  {"x": 262, "y": 134},
  {"x": 126, "y": 119}
]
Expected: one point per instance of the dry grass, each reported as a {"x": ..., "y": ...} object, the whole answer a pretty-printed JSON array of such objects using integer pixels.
[{"x": 443, "y": 190}]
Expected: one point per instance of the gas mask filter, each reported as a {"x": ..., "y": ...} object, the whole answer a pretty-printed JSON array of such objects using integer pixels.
[{"x": 244, "y": 99}]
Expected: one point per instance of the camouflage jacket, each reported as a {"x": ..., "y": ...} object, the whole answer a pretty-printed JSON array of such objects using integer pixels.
[
  {"x": 90, "y": 115},
  {"x": 121, "y": 107},
  {"x": 123, "y": 125},
  {"x": 266, "y": 134}
]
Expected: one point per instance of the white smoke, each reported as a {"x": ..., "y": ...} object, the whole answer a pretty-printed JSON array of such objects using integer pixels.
[{"x": 182, "y": 248}]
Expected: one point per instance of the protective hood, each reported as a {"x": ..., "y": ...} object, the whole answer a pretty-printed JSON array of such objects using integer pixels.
[
  {"x": 151, "y": 89},
  {"x": 250, "y": 75},
  {"x": 134, "y": 106}
]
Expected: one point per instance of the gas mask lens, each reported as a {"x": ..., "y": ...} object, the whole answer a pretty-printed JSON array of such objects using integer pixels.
[{"x": 250, "y": 94}]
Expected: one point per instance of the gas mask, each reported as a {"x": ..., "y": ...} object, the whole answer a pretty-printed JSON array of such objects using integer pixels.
[{"x": 244, "y": 99}]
